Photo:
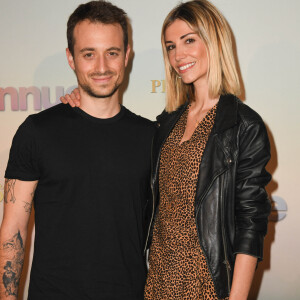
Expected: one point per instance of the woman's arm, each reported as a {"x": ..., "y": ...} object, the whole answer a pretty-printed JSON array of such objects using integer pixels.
[
  {"x": 244, "y": 269},
  {"x": 252, "y": 206}
]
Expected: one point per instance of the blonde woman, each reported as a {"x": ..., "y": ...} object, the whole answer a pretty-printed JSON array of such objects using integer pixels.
[
  {"x": 210, "y": 208},
  {"x": 208, "y": 174}
]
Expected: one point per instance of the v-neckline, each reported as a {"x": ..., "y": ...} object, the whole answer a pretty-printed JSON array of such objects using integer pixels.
[{"x": 181, "y": 142}]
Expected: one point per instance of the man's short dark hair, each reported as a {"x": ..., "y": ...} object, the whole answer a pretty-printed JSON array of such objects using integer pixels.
[{"x": 97, "y": 12}]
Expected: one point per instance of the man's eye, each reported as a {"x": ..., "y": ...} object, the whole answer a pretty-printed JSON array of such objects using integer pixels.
[
  {"x": 112, "y": 53},
  {"x": 88, "y": 55}
]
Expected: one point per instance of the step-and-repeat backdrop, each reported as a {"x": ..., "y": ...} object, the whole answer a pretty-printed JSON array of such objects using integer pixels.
[{"x": 34, "y": 73}]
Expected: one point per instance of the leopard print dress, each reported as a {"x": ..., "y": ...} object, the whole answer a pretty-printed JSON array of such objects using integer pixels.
[{"x": 178, "y": 268}]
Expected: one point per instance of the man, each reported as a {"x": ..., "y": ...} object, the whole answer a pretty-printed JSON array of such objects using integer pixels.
[{"x": 87, "y": 171}]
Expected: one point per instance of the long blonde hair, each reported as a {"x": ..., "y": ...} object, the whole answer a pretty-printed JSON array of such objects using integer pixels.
[{"x": 209, "y": 23}]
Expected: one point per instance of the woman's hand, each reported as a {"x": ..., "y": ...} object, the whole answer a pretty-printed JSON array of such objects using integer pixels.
[{"x": 73, "y": 99}]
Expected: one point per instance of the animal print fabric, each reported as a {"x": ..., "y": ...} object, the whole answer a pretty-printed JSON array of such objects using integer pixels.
[{"x": 177, "y": 265}]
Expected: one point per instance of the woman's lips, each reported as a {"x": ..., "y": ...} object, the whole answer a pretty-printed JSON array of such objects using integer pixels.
[{"x": 185, "y": 67}]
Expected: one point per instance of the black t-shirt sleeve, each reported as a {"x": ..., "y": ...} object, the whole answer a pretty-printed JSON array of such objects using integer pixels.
[{"x": 23, "y": 156}]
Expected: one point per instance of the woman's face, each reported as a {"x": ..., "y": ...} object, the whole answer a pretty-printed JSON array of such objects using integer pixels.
[{"x": 187, "y": 53}]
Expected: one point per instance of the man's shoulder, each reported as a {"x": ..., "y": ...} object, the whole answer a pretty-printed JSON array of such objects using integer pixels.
[
  {"x": 51, "y": 116},
  {"x": 59, "y": 110},
  {"x": 138, "y": 120},
  {"x": 48, "y": 120}
]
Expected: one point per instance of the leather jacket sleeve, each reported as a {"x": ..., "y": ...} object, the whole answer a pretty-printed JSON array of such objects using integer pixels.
[{"x": 252, "y": 206}]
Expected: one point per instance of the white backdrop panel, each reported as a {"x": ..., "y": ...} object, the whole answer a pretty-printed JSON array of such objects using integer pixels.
[{"x": 33, "y": 42}]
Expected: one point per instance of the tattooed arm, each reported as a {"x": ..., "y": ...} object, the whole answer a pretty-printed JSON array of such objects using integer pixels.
[{"x": 18, "y": 197}]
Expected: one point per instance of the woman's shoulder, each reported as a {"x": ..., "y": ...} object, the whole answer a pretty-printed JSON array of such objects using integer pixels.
[
  {"x": 230, "y": 106},
  {"x": 248, "y": 114},
  {"x": 249, "y": 120}
]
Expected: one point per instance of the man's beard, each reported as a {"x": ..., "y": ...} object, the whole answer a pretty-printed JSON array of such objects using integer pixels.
[{"x": 93, "y": 93}]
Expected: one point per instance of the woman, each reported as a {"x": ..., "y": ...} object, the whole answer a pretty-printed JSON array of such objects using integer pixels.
[
  {"x": 209, "y": 175},
  {"x": 210, "y": 207}
]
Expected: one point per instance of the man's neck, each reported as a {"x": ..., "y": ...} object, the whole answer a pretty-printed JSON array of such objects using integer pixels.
[{"x": 102, "y": 108}]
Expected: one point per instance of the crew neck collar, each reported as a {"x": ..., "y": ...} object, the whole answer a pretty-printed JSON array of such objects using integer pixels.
[{"x": 113, "y": 119}]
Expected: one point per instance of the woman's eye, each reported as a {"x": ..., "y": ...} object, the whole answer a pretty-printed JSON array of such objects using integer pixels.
[
  {"x": 189, "y": 41},
  {"x": 170, "y": 47}
]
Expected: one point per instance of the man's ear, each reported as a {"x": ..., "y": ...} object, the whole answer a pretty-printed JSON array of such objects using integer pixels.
[
  {"x": 127, "y": 55},
  {"x": 70, "y": 59}
]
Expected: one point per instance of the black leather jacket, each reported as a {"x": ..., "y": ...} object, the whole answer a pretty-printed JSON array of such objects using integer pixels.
[{"x": 231, "y": 204}]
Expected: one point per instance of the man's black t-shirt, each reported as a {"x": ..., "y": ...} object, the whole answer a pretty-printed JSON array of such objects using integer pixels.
[{"x": 93, "y": 182}]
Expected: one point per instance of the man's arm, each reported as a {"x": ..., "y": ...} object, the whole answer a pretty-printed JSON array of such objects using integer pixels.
[{"x": 18, "y": 197}]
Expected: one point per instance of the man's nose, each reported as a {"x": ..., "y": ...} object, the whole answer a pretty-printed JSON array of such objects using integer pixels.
[{"x": 101, "y": 64}]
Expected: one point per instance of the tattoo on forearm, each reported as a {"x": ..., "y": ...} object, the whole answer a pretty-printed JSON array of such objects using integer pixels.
[
  {"x": 9, "y": 190},
  {"x": 27, "y": 207},
  {"x": 13, "y": 268}
]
